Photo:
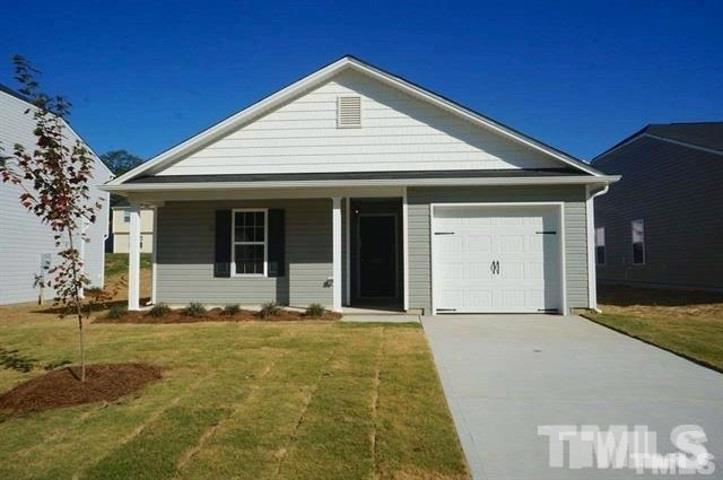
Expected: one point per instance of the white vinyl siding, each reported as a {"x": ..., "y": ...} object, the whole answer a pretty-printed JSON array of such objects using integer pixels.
[
  {"x": 23, "y": 238},
  {"x": 399, "y": 133}
]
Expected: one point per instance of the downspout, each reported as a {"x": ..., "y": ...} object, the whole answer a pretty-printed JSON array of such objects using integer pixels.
[{"x": 591, "y": 264}]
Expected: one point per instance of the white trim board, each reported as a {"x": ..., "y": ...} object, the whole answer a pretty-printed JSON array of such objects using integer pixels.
[
  {"x": 556, "y": 180},
  {"x": 559, "y": 206},
  {"x": 318, "y": 78}
]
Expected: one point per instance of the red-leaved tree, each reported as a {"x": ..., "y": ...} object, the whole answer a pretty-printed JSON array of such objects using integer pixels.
[{"x": 54, "y": 177}]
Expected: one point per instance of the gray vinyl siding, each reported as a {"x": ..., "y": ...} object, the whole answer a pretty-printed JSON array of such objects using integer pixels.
[
  {"x": 677, "y": 191},
  {"x": 185, "y": 256},
  {"x": 575, "y": 224}
]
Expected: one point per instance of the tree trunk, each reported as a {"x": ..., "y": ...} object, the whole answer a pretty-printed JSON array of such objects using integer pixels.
[{"x": 78, "y": 308}]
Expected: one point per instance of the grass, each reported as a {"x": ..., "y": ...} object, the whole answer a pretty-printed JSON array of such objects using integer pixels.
[
  {"x": 238, "y": 400},
  {"x": 687, "y": 323},
  {"x": 117, "y": 263}
]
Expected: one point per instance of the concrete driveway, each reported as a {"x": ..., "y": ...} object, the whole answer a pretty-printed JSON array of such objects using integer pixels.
[{"x": 505, "y": 375}]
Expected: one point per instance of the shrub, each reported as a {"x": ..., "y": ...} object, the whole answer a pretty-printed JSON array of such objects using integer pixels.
[
  {"x": 315, "y": 310},
  {"x": 195, "y": 309},
  {"x": 159, "y": 310},
  {"x": 269, "y": 309},
  {"x": 231, "y": 310},
  {"x": 117, "y": 311}
]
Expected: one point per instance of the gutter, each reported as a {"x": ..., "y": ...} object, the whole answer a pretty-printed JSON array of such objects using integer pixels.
[
  {"x": 397, "y": 182},
  {"x": 592, "y": 264}
]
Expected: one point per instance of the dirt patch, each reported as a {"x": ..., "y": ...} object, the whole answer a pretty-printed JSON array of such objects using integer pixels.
[
  {"x": 616, "y": 299},
  {"x": 62, "y": 388},
  {"x": 214, "y": 315}
]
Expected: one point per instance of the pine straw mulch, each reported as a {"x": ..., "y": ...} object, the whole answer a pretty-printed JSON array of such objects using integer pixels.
[
  {"x": 215, "y": 315},
  {"x": 63, "y": 388}
]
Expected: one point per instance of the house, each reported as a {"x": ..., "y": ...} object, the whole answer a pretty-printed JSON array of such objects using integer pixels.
[
  {"x": 120, "y": 228},
  {"x": 662, "y": 226},
  {"x": 356, "y": 187},
  {"x": 27, "y": 248}
]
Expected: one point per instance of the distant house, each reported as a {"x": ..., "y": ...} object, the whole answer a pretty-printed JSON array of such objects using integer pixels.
[
  {"x": 27, "y": 248},
  {"x": 355, "y": 187},
  {"x": 121, "y": 229},
  {"x": 662, "y": 224}
]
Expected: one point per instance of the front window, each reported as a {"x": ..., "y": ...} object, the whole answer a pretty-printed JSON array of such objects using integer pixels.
[
  {"x": 249, "y": 242},
  {"x": 126, "y": 216},
  {"x": 600, "y": 245},
  {"x": 637, "y": 232}
]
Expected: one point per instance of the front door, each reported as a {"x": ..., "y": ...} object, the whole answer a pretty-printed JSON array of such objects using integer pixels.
[{"x": 377, "y": 262}]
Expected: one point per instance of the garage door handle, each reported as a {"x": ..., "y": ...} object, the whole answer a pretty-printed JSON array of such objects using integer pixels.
[
  {"x": 495, "y": 267},
  {"x": 444, "y": 233}
]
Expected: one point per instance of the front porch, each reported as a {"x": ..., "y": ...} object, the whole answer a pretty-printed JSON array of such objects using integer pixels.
[{"x": 346, "y": 250}]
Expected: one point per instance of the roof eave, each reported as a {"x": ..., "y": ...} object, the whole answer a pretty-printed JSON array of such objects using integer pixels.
[{"x": 413, "y": 182}]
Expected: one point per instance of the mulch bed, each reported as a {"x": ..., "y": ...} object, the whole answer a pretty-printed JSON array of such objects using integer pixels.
[
  {"x": 213, "y": 315},
  {"x": 63, "y": 388}
]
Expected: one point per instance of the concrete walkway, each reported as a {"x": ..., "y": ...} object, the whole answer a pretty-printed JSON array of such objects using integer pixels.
[{"x": 504, "y": 375}]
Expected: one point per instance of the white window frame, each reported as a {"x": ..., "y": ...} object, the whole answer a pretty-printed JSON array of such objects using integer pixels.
[
  {"x": 632, "y": 242},
  {"x": 604, "y": 245},
  {"x": 265, "y": 243}
]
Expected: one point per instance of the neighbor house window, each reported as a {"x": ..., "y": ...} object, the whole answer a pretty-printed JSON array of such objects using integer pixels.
[
  {"x": 600, "y": 245},
  {"x": 249, "y": 242},
  {"x": 637, "y": 231},
  {"x": 126, "y": 216}
]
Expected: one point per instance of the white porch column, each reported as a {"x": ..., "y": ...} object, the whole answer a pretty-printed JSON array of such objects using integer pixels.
[
  {"x": 134, "y": 257},
  {"x": 336, "y": 253}
]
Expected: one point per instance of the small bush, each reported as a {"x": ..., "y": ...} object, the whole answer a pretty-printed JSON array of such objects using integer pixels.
[
  {"x": 231, "y": 310},
  {"x": 269, "y": 309},
  {"x": 195, "y": 309},
  {"x": 315, "y": 310},
  {"x": 159, "y": 310},
  {"x": 117, "y": 311}
]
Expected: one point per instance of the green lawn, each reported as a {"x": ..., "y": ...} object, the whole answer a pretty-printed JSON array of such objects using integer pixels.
[
  {"x": 117, "y": 263},
  {"x": 698, "y": 338},
  {"x": 238, "y": 400}
]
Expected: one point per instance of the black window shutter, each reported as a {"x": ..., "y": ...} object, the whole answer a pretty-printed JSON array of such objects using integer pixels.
[
  {"x": 277, "y": 244},
  {"x": 222, "y": 254}
]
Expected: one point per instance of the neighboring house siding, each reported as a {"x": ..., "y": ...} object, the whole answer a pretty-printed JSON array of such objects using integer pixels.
[
  {"x": 23, "y": 238},
  {"x": 121, "y": 242},
  {"x": 121, "y": 229},
  {"x": 185, "y": 255},
  {"x": 419, "y": 199},
  {"x": 398, "y": 132},
  {"x": 678, "y": 193}
]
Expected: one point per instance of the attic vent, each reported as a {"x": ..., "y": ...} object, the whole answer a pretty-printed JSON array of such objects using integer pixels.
[{"x": 348, "y": 112}]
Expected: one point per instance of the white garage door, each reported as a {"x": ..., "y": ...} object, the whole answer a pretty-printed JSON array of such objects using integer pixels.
[{"x": 496, "y": 259}]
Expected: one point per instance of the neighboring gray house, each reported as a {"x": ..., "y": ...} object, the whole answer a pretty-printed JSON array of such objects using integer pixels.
[
  {"x": 26, "y": 245},
  {"x": 355, "y": 187},
  {"x": 662, "y": 225}
]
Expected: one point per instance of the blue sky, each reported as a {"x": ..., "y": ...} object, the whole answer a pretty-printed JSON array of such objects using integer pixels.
[{"x": 579, "y": 76}]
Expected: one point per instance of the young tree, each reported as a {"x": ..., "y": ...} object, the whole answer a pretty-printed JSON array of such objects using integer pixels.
[{"x": 54, "y": 179}]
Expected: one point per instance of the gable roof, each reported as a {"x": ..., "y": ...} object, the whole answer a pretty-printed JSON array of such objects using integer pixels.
[
  {"x": 701, "y": 135},
  {"x": 9, "y": 91},
  {"x": 316, "y": 79}
]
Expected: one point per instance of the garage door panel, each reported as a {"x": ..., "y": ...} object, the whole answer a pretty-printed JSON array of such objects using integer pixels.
[{"x": 522, "y": 241}]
